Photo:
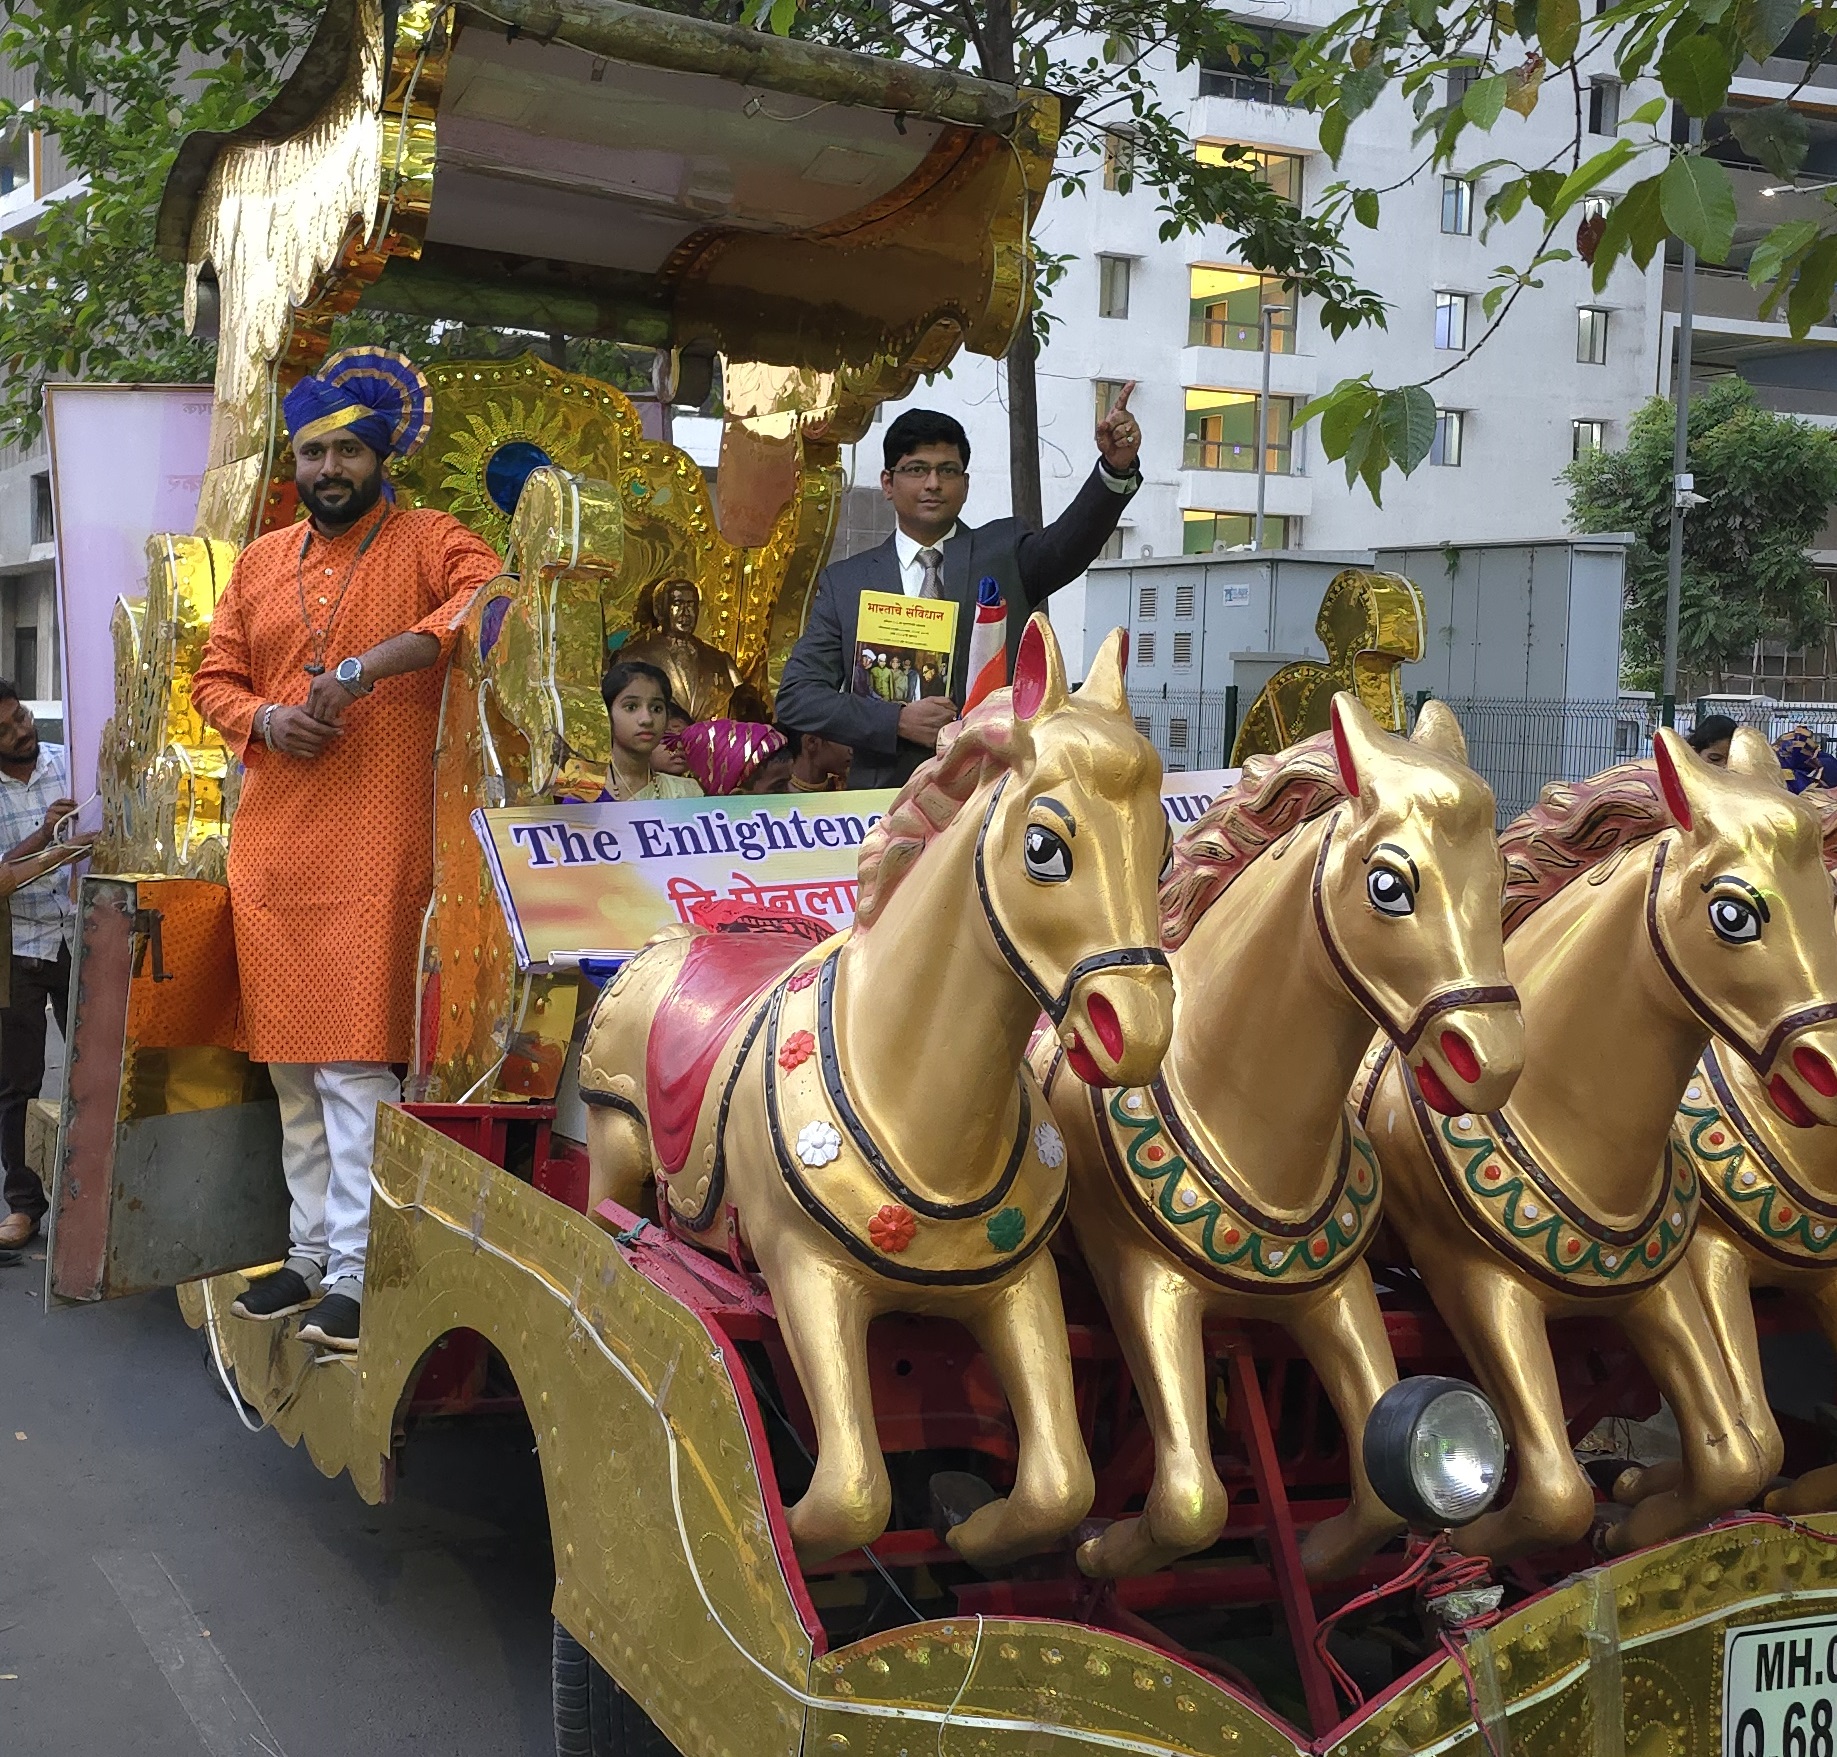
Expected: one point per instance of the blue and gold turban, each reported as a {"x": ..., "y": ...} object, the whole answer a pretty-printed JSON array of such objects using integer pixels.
[{"x": 376, "y": 393}]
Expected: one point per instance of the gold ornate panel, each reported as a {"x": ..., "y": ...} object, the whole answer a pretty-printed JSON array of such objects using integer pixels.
[{"x": 1371, "y": 625}]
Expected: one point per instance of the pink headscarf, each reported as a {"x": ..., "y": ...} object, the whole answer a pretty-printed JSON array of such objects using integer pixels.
[{"x": 722, "y": 754}]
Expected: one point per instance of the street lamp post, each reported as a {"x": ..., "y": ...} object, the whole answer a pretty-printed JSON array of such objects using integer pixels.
[
  {"x": 1682, "y": 485},
  {"x": 1269, "y": 316}
]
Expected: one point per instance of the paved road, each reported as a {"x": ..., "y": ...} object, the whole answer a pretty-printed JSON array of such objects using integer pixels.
[{"x": 171, "y": 1585}]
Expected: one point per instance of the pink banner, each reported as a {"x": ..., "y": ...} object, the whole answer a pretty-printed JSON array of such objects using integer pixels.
[{"x": 127, "y": 461}]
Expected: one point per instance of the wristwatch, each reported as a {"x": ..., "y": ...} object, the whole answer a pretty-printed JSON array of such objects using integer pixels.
[{"x": 350, "y": 673}]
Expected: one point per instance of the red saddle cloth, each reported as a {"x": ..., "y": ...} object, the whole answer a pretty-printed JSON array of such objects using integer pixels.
[{"x": 723, "y": 974}]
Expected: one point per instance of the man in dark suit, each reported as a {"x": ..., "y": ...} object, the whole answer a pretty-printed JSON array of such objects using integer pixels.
[{"x": 932, "y": 555}]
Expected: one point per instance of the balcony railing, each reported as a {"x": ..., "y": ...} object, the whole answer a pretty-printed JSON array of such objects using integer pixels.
[
  {"x": 1225, "y": 454},
  {"x": 1221, "y": 332}
]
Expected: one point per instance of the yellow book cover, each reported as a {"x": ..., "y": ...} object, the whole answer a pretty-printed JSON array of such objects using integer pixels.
[{"x": 903, "y": 646}]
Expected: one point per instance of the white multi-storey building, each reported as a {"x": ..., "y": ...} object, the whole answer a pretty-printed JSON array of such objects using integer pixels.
[{"x": 1182, "y": 319}]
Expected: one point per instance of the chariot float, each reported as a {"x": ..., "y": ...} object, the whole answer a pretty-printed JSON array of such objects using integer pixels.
[{"x": 1078, "y": 1352}]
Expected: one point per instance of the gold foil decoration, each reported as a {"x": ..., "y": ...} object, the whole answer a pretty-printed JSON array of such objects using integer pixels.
[
  {"x": 167, "y": 779},
  {"x": 1371, "y": 625}
]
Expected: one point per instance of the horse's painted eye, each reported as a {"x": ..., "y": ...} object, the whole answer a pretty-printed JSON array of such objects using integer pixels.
[
  {"x": 1736, "y": 921},
  {"x": 1048, "y": 858},
  {"x": 1389, "y": 891}
]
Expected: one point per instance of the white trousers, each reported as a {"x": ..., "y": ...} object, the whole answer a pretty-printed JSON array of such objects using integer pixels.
[{"x": 328, "y": 1133}]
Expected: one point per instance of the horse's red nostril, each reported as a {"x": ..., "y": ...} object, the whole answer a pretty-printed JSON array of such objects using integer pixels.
[
  {"x": 1460, "y": 1056},
  {"x": 1105, "y": 1023},
  {"x": 1815, "y": 1071},
  {"x": 1435, "y": 1094},
  {"x": 1789, "y": 1104}
]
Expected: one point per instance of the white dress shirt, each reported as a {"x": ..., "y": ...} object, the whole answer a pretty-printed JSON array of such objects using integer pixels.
[{"x": 911, "y": 569}]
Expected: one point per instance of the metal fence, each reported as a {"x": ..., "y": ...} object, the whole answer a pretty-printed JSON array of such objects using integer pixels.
[{"x": 1516, "y": 745}]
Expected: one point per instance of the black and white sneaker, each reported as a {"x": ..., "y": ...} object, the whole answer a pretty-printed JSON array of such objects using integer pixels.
[
  {"x": 279, "y": 1295},
  {"x": 333, "y": 1323}
]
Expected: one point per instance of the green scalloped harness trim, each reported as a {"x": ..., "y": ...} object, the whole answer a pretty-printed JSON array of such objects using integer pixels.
[
  {"x": 1190, "y": 1205},
  {"x": 1750, "y": 1191},
  {"x": 1500, "y": 1190}
]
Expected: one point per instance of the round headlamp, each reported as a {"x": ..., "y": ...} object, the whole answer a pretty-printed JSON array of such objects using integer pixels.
[{"x": 1434, "y": 1451}]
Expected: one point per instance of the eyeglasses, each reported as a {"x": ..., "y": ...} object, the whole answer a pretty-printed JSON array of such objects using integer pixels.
[{"x": 923, "y": 472}]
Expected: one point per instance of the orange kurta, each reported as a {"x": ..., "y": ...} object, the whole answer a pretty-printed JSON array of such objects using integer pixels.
[{"x": 331, "y": 860}]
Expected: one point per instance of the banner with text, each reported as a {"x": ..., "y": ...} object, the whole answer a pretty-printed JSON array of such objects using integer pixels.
[{"x": 594, "y": 882}]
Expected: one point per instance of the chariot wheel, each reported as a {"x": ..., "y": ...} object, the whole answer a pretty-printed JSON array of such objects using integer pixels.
[{"x": 593, "y": 1716}]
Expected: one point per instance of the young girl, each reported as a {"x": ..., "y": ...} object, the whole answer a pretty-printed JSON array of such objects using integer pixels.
[{"x": 637, "y": 699}]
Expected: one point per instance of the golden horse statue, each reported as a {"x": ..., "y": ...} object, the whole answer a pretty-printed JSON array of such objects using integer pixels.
[
  {"x": 859, "y": 1116},
  {"x": 1638, "y": 922},
  {"x": 1769, "y": 1181},
  {"x": 1351, "y": 881}
]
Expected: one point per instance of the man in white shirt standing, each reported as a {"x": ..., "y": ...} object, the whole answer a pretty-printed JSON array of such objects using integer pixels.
[
  {"x": 34, "y": 799},
  {"x": 932, "y": 554}
]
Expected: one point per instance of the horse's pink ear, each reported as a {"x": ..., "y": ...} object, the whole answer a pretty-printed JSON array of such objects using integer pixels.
[
  {"x": 1342, "y": 743},
  {"x": 1672, "y": 753},
  {"x": 1039, "y": 671}
]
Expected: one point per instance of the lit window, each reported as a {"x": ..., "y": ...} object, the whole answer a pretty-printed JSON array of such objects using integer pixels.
[
  {"x": 1145, "y": 603},
  {"x": 1587, "y": 436},
  {"x": 1591, "y": 335},
  {"x": 1221, "y": 431},
  {"x": 1118, "y": 159},
  {"x": 1145, "y": 648},
  {"x": 1225, "y": 309},
  {"x": 18, "y": 148},
  {"x": 1183, "y": 649},
  {"x": 1106, "y": 390},
  {"x": 1281, "y": 171},
  {"x": 1604, "y": 107},
  {"x": 1113, "y": 286},
  {"x": 1207, "y": 533},
  {"x": 1451, "y": 321},
  {"x": 1457, "y": 205},
  {"x": 1183, "y": 600},
  {"x": 1450, "y": 430}
]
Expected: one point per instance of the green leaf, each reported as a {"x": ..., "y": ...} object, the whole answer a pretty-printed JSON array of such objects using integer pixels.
[
  {"x": 1649, "y": 113},
  {"x": 1710, "y": 11},
  {"x": 1776, "y": 134},
  {"x": 1359, "y": 91},
  {"x": 1810, "y": 301},
  {"x": 1696, "y": 71},
  {"x": 1346, "y": 408},
  {"x": 1408, "y": 420},
  {"x": 784, "y": 15},
  {"x": 1484, "y": 101},
  {"x": 1635, "y": 223},
  {"x": 1365, "y": 206},
  {"x": 1779, "y": 247},
  {"x": 1762, "y": 25},
  {"x": 1587, "y": 174},
  {"x": 1543, "y": 185},
  {"x": 1698, "y": 203},
  {"x": 1559, "y": 29},
  {"x": 1333, "y": 125}
]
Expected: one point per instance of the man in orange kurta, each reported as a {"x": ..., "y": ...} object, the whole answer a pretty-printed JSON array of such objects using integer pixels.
[{"x": 324, "y": 669}]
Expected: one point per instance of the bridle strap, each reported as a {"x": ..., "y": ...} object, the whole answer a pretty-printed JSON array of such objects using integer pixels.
[
  {"x": 1406, "y": 1037},
  {"x": 1758, "y": 1059},
  {"x": 1054, "y": 1006}
]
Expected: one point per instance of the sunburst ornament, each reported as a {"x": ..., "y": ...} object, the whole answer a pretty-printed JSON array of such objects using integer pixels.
[{"x": 497, "y": 421}]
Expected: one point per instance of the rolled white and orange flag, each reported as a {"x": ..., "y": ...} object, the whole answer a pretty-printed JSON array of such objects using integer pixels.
[{"x": 988, "y": 669}]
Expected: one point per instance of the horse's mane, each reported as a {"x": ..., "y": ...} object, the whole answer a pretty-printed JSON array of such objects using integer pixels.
[
  {"x": 969, "y": 751},
  {"x": 1573, "y": 826},
  {"x": 1274, "y": 794}
]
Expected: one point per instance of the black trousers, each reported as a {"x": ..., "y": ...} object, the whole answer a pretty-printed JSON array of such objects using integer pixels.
[{"x": 22, "y": 1067}]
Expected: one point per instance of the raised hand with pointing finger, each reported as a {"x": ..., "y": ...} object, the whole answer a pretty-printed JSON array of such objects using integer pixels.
[{"x": 1119, "y": 439}]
